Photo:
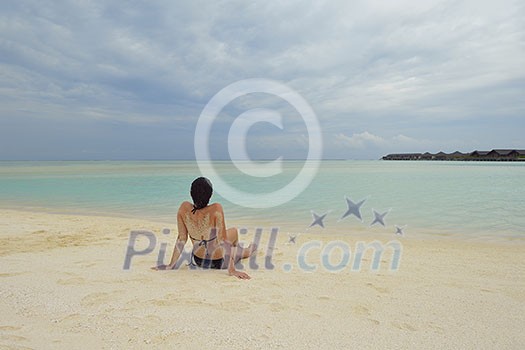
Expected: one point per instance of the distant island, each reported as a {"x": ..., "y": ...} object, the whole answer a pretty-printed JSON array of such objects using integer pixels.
[{"x": 504, "y": 155}]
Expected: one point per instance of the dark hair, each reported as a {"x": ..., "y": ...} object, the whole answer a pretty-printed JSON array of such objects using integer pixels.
[{"x": 201, "y": 191}]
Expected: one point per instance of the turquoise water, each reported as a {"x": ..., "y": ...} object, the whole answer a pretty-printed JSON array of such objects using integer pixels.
[{"x": 442, "y": 197}]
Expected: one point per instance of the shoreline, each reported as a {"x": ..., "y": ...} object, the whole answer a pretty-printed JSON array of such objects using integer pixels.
[{"x": 291, "y": 227}]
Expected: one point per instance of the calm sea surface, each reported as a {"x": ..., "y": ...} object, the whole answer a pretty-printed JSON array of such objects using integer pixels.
[{"x": 438, "y": 197}]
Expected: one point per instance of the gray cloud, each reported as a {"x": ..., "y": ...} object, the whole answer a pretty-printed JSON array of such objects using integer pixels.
[{"x": 148, "y": 68}]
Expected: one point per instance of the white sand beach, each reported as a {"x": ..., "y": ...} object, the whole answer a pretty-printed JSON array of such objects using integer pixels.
[{"x": 63, "y": 286}]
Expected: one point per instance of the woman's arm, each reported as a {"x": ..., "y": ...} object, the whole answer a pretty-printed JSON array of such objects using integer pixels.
[
  {"x": 231, "y": 249},
  {"x": 231, "y": 265},
  {"x": 182, "y": 238}
]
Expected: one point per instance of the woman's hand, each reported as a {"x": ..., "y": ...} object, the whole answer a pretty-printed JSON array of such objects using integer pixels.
[{"x": 239, "y": 274}]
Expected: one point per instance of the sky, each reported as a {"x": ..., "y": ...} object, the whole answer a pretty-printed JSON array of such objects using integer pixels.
[{"x": 99, "y": 80}]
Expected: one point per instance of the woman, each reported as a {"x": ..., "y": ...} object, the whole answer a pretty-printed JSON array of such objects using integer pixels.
[{"x": 213, "y": 246}]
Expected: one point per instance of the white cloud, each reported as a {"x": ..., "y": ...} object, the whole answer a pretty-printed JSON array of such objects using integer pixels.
[
  {"x": 362, "y": 140},
  {"x": 367, "y": 140}
]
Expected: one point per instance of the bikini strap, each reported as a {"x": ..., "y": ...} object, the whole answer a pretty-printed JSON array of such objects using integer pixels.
[
  {"x": 203, "y": 242},
  {"x": 194, "y": 209}
]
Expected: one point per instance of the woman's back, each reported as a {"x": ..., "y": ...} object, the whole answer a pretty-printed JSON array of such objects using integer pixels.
[{"x": 204, "y": 225}]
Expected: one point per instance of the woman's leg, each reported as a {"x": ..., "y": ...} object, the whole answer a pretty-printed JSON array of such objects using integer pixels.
[{"x": 232, "y": 236}]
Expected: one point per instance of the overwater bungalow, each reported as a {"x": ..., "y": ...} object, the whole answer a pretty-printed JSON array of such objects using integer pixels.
[
  {"x": 403, "y": 156},
  {"x": 440, "y": 156},
  {"x": 494, "y": 155}
]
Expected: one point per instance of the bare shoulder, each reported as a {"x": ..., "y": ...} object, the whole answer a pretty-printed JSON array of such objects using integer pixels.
[
  {"x": 216, "y": 208},
  {"x": 185, "y": 207}
]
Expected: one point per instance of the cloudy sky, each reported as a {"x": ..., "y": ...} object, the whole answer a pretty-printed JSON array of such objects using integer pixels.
[{"x": 129, "y": 80}]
